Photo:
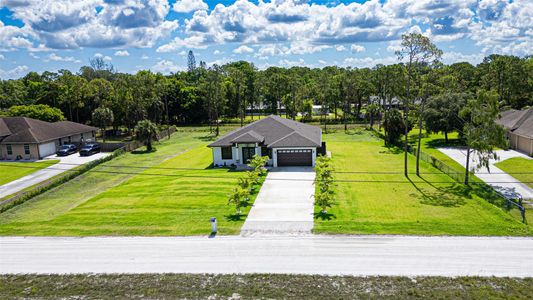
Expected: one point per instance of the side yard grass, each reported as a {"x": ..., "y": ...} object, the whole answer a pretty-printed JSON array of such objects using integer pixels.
[
  {"x": 136, "y": 194},
  {"x": 520, "y": 168},
  {"x": 374, "y": 197},
  {"x": 10, "y": 171}
]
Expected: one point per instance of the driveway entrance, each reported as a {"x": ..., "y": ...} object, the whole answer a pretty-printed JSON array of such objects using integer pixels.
[{"x": 284, "y": 204}]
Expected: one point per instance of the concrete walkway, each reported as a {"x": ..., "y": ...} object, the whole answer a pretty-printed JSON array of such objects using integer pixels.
[
  {"x": 284, "y": 204},
  {"x": 330, "y": 255},
  {"x": 497, "y": 178},
  {"x": 66, "y": 163}
]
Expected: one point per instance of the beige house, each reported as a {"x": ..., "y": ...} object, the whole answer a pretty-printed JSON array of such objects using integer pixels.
[
  {"x": 519, "y": 125},
  {"x": 30, "y": 139}
]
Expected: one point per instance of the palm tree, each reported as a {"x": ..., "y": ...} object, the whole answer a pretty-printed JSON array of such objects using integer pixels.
[{"x": 146, "y": 132}]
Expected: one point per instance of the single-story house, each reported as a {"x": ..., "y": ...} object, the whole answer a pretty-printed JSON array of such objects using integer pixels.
[
  {"x": 519, "y": 126},
  {"x": 285, "y": 142},
  {"x": 26, "y": 138}
]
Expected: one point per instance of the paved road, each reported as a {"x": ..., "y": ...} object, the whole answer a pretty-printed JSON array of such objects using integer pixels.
[
  {"x": 340, "y": 255},
  {"x": 66, "y": 163},
  {"x": 283, "y": 206},
  {"x": 497, "y": 178}
]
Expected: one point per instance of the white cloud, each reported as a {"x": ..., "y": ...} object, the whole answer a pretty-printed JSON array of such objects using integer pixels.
[
  {"x": 166, "y": 66},
  {"x": 368, "y": 62},
  {"x": 74, "y": 24},
  {"x": 2, "y": 57},
  {"x": 16, "y": 72},
  {"x": 357, "y": 48},
  {"x": 323, "y": 62},
  {"x": 33, "y": 55},
  {"x": 196, "y": 42},
  {"x": 243, "y": 49},
  {"x": 340, "y": 48},
  {"x": 55, "y": 57},
  {"x": 217, "y": 52},
  {"x": 104, "y": 57},
  {"x": 122, "y": 53},
  {"x": 187, "y": 6}
]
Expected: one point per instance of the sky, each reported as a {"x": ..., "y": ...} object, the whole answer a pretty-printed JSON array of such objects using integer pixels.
[{"x": 133, "y": 35}]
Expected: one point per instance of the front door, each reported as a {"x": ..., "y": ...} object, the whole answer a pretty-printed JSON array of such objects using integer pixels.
[{"x": 247, "y": 154}]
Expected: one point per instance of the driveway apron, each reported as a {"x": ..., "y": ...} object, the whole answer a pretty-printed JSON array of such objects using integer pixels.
[{"x": 284, "y": 204}]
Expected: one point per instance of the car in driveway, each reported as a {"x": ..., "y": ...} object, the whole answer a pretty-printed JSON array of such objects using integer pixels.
[
  {"x": 67, "y": 149},
  {"x": 89, "y": 149}
]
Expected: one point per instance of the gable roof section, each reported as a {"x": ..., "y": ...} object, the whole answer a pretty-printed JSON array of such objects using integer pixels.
[
  {"x": 273, "y": 129},
  {"x": 27, "y": 130},
  {"x": 4, "y": 130},
  {"x": 518, "y": 121},
  {"x": 249, "y": 137},
  {"x": 291, "y": 140}
]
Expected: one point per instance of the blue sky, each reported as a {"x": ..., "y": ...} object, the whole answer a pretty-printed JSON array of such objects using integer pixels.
[{"x": 39, "y": 35}]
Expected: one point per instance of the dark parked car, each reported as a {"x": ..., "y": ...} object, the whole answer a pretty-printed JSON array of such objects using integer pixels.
[
  {"x": 89, "y": 149},
  {"x": 66, "y": 149}
]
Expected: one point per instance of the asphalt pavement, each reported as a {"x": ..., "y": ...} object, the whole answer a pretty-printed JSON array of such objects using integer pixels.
[{"x": 312, "y": 254}]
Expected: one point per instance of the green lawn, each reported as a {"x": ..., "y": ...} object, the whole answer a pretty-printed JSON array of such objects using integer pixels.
[
  {"x": 518, "y": 167},
  {"x": 173, "y": 197},
  {"x": 10, "y": 171},
  {"x": 378, "y": 199}
]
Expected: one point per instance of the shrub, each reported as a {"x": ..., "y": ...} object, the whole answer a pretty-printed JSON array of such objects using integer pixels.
[{"x": 324, "y": 195}]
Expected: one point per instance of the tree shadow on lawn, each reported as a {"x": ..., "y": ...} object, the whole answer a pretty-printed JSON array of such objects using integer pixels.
[
  {"x": 144, "y": 151},
  {"x": 391, "y": 150},
  {"x": 236, "y": 217},
  {"x": 441, "y": 143},
  {"x": 449, "y": 196},
  {"x": 324, "y": 217}
]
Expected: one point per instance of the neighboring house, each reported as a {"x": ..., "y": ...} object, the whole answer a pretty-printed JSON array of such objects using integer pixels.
[
  {"x": 285, "y": 142},
  {"x": 26, "y": 138},
  {"x": 519, "y": 125}
]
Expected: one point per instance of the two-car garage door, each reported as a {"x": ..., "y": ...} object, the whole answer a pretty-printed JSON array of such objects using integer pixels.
[
  {"x": 300, "y": 157},
  {"x": 47, "y": 149}
]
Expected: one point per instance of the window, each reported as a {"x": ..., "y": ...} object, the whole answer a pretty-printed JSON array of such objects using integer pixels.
[
  {"x": 9, "y": 150},
  {"x": 69, "y": 139},
  {"x": 265, "y": 151},
  {"x": 26, "y": 149},
  {"x": 227, "y": 153}
]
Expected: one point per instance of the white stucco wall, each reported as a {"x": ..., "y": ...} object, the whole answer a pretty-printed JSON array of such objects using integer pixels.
[{"x": 236, "y": 155}]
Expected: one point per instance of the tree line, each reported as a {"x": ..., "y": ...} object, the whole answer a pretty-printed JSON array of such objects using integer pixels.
[{"x": 203, "y": 95}]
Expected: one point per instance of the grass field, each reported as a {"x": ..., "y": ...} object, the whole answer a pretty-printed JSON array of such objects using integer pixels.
[
  {"x": 259, "y": 286},
  {"x": 520, "y": 168},
  {"x": 375, "y": 198},
  {"x": 10, "y": 171},
  {"x": 136, "y": 194}
]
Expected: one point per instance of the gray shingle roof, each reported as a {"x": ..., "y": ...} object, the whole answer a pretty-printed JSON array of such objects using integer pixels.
[
  {"x": 27, "y": 130},
  {"x": 274, "y": 132},
  {"x": 518, "y": 121}
]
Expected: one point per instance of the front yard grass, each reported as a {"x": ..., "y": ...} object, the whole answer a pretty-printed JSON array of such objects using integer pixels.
[
  {"x": 168, "y": 197},
  {"x": 10, "y": 171},
  {"x": 374, "y": 197},
  {"x": 520, "y": 168}
]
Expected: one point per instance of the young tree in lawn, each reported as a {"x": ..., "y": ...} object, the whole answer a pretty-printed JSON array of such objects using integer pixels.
[
  {"x": 103, "y": 117},
  {"x": 393, "y": 125},
  {"x": 418, "y": 50},
  {"x": 481, "y": 132},
  {"x": 239, "y": 197},
  {"x": 146, "y": 132},
  {"x": 325, "y": 194}
]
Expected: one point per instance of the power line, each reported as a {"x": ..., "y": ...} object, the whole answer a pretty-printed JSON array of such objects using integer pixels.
[
  {"x": 273, "y": 179},
  {"x": 204, "y": 169}
]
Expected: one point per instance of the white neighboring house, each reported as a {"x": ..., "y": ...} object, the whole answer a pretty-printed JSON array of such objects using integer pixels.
[{"x": 285, "y": 142}]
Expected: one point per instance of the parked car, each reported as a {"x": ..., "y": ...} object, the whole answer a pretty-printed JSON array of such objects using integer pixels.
[
  {"x": 67, "y": 149},
  {"x": 89, "y": 149}
]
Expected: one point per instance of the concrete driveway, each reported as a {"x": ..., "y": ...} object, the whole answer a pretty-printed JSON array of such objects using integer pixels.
[
  {"x": 66, "y": 163},
  {"x": 311, "y": 254},
  {"x": 497, "y": 178},
  {"x": 284, "y": 204}
]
